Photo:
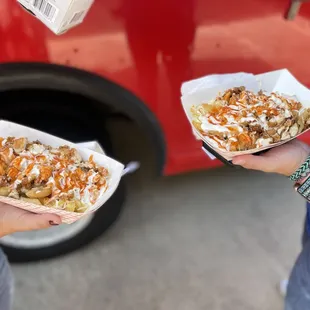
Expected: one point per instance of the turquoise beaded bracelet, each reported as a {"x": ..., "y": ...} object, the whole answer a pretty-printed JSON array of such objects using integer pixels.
[{"x": 302, "y": 171}]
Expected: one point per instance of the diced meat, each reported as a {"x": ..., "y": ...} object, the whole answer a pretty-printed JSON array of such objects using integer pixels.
[{"x": 19, "y": 145}]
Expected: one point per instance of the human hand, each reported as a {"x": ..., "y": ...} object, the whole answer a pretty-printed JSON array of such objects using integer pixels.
[
  {"x": 13, "y": 219},
  {"x": 284, "y": 159}
]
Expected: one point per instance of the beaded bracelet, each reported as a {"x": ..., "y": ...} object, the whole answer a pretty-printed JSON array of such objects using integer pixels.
[{"x": 302, "y": 171}]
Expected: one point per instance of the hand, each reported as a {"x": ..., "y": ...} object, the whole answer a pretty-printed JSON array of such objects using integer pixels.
[
  {"x": 284, "y": 159},
  {"x": 13, "y": 219}
]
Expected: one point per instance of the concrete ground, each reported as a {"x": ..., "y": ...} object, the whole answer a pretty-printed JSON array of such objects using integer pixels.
[{"x": 214, "y": 240}]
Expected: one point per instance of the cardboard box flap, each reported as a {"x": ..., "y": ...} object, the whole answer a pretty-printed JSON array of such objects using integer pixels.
[{"x": 58, "y": 15}]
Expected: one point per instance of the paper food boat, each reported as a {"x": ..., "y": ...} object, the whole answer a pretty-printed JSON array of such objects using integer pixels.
[
  {"x": 85, "y": 150},
  {"x": 204, "y": 89}
]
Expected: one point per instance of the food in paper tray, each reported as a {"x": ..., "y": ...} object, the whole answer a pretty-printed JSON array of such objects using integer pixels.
[
  {"x": 53, "y": 177},
  {"x": 241, "y": 120}
]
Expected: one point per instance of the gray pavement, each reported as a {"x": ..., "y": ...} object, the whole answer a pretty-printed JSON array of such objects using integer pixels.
[{"x": 214, "y": 240}]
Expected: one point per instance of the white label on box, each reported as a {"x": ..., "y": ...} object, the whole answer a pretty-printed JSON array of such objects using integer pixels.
[{"x": 48, "y": 10}]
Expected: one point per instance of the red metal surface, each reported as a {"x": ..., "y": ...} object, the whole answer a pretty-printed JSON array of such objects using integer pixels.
[{"x": 151, "y": 46}]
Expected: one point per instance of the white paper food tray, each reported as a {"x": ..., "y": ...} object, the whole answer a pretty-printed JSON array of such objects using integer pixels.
[
  {"x": 85, "y": 150},
  {"x": 205, "y": 89}
]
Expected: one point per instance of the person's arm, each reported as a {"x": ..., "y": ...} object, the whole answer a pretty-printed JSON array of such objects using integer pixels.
[
  {"x": 284, "y": 159},
  {"x": 13, "y": 219}
]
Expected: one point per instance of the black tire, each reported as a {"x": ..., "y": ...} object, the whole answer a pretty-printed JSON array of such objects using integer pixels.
[{"x": 105, "y": 216}]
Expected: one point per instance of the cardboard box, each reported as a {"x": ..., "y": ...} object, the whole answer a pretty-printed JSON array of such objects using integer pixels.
[
  {"x": 58, "y": 15},
  {"x": 205, "y": 89},
  {"x": 115, "y": 168}
]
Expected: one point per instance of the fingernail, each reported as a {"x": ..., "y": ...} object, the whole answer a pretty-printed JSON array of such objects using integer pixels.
[{"x": 53, "y": 223}]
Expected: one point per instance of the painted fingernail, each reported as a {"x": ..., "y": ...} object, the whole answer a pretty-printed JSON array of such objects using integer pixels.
[{"x": 53, "y": 223}]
